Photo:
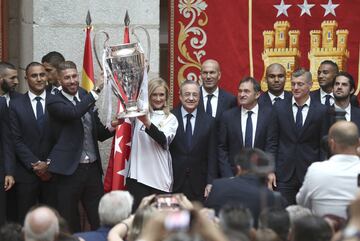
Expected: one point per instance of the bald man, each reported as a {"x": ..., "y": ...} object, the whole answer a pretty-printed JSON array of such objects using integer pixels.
[
  {"x": 41, "y": 224},
  {"x": 275, "y": 79},
  {"x": 331, "y": 185},
  {"x": 213, "y": 100}
]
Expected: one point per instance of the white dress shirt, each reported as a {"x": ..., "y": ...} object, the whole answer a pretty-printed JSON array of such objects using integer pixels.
[
  {"x": 347, "y": 110},
  {"x": 323, "y": 95},
  {"x": 272, "y": 97},
  {"x": 192, "y": 120},
  {"x": 331, "y": 185},
  {"x": 304, "y": 110},
  {"x": 254, "y": 117},
  {"x": 214, "y": 100},
  {"x": 33, "y": 101}
]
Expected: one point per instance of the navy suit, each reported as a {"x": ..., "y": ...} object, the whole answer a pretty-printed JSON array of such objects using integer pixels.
[
  {"x": 32, "y": 144},
  {"x": 296, "y": 150},
  {"x": 225, "y": 102},
  {"x": 195, "y": 165},
  {"x": 315, "y": 95},
  {"x": 76, "y": 181},
  {"x": 7, "y": 159},
  {"x": 230, "y": 137},
  {"x": 98, "y": 235},
  {"x": 265, "y": 100},
  {"x": 246, "y": 189}
]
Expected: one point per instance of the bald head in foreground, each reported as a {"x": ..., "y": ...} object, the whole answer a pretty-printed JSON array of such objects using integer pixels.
[
  {"x": 344, "y": 138},
  {"x": 41, "y": 224},
  {"x": 330, "y": 186}
]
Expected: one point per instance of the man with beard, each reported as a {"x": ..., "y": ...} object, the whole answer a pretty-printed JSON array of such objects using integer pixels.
[
  {"x": 8, "y": 81},
  {"x": 245, "y": 125},
  {"x": 213, "y": 100},
  {"x": 51, "y": 61},
  {"x": 326, "y": 74},
  {"x": 275, "y": 79},
  {"x": 75, "y": 157},
  {"x": 344, "y": 87}
]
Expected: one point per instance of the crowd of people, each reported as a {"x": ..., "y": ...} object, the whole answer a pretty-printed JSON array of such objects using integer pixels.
[{"x": 272, "y": 165}]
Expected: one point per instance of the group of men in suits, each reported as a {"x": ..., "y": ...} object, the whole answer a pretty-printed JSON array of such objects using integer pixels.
[{"x": 54, "y": 138}]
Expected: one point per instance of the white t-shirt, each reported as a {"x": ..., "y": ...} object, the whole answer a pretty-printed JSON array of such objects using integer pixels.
[{"x": 150, "y": 163}]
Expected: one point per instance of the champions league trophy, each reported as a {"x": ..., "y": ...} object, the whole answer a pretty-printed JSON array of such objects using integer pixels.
[{"x": 124, "y": 66}]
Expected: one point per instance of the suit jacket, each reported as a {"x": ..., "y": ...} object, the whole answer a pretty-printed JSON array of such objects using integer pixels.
[
  {"x": 31, "y": 143},
  {"x": 245, "y": 189},
  {"x": 265, "y": 100},
  {"x": 199, "y": 162},
  {"x": 316, "y": 96},
  {"x": 7, "y": 158},
  {"x": 230, "y": 137},
  {"x": 98, "y": 235},
  {"x": 225, "y": 102},
  {"x": 69, "y": 132},
  {"x": 295, "y": 151}
]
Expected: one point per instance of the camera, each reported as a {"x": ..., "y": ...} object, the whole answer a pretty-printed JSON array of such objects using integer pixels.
[
  {"x": 178, "y": 220},
  {"x": 167, "y": 202}
]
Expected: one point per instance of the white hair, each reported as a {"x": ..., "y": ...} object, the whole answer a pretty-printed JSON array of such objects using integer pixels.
[
  {"x": 41, "y": 224},
  {"x": 114, "y": 207}
]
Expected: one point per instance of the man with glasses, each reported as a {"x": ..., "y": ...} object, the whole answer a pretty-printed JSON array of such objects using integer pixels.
[{"x": 193, "y": 150}]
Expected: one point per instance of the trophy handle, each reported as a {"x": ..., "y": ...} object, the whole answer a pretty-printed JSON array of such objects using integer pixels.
[
  {"x": 105, "y": 45},
  {"x": 148, "y": 43}
]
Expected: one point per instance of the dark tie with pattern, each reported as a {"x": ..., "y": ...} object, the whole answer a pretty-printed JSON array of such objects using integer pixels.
[
  {"x": 39, "y": 112},
  {"x": 208, "y": 104},
  {"x": 248, "y": 130},
  {"x": 188, "y": 129},
  {"x": 276, "y": 99},
  {"x": 327, "y": 100},
  {"x": 299, "y": 119}
]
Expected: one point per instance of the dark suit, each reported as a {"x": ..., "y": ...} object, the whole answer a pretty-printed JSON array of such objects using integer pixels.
[
  {"x": 32, "y": 144},
  {"x": 98, "y": 235},
  {"x": 265, "y": 100},
  {"x": 225, "y": 102},
  {"x": 7, "y": 163},
  {"x": 354, "y": 116},
  {"x": 76, "y": 181},
  {"x": 195, "y": 165},
  {"x": 245, "y": 189},
  {"x": 296, "y": 150},
  {"x": 316, "y": 96},
  {"x": 230, "y": 137}
]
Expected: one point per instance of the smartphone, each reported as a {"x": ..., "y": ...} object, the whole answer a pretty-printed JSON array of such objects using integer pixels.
[
  {"x": 178, "y": 221},
  {"x": 358, "y": 180},
  {"x": 167, "y": 201}
]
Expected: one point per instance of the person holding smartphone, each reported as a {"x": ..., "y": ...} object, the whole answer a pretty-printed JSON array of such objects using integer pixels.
[{"x": 150, "y": 169}]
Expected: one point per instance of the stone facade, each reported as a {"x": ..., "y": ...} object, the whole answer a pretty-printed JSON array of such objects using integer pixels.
[{"x": 36, "y": 27}]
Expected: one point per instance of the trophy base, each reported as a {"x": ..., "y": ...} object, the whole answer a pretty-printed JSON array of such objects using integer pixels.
[{"x": 130, "y": 114}]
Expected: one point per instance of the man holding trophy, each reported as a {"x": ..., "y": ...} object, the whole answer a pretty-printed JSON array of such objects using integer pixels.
[{"x": 75, "y": 157}]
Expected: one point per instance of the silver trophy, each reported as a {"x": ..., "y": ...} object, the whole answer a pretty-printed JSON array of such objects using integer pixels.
[{"x": 124, "y": 66}]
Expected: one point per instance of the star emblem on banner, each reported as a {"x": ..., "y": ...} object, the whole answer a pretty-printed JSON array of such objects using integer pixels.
[
  {"x": 117, "y": 144},
  {"x": 282, "y": 8},
  {"x": 329, "y": 8},
  {"x": 305, "y": 8},
  {"x": 124, "y": 172}
]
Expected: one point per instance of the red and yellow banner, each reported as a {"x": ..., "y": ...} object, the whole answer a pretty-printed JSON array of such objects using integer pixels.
[
  {"x": 245, "y": 36},
  {"x": 87, "y": 81}
]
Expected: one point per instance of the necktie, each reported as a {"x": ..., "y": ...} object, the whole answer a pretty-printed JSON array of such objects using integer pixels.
[
  {"x": 327, "y": 100},
  {"x": 39, "y": 112},
  {"x": 276, "y": 99},
  {"x": 208, "y": 105},
  {"x": 188, "y": 129},
  {"x": 56, "y": 91},
  {"x": 76, "y": 100},
  {"x": 248, "y": 130},
  {"x": 299, "y": 119}
]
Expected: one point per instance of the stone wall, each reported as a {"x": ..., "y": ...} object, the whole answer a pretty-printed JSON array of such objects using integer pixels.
[{"x": 37, "y": 27}]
